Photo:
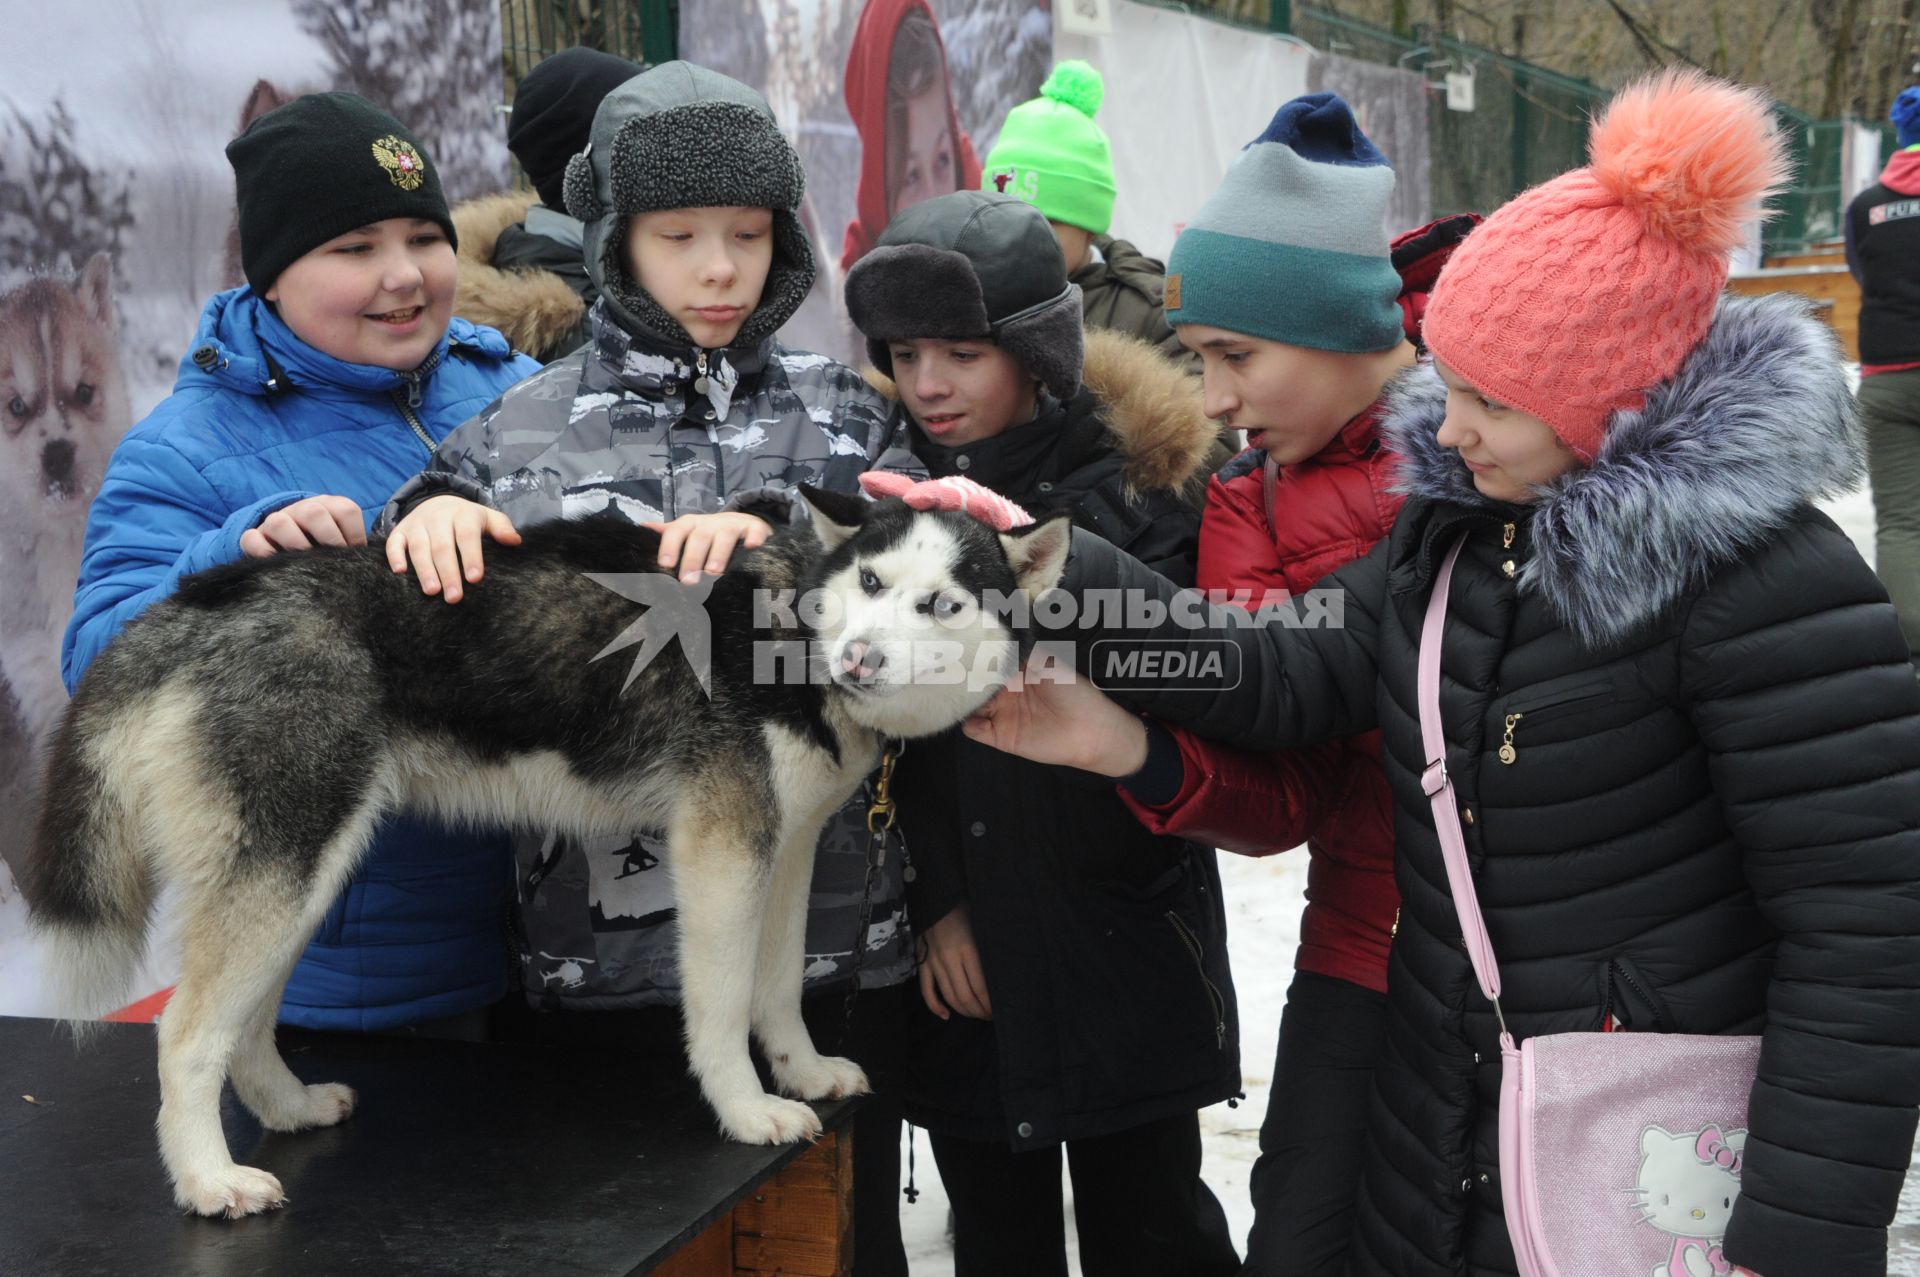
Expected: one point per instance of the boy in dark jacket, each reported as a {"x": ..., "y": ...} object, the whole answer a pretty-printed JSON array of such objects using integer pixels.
[
  {"x": 523, "y": 266},
  {"x": 1074, "y": 967},
  {"x": 1053, "y": 155},
  {"x": 1883, "y": 251}
]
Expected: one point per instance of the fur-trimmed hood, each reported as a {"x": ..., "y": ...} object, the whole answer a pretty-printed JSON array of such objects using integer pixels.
[
  {"x": 1154, "y": 408},
  {"x": 1757, "y": 423},
  {"x": 535, "y": 309}
]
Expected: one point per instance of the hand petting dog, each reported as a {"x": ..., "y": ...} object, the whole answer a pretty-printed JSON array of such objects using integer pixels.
[{"x": 304, "y": 524}]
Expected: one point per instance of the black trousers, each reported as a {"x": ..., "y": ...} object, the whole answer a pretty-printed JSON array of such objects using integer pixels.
[
  {"x": 875, "y": 1039},
  {"x": 1313, "y": 1141},
  {"x": 1139, "y": 1204}
]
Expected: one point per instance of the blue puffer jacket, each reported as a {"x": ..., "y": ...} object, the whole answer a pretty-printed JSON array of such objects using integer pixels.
[{"x": 258, "y": 420}]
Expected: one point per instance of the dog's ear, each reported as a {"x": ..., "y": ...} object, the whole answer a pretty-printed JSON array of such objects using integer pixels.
[
  {"x": 95, "y": 290},
  {"x": 1037, "y": 552},
  {"x": 836, "y": 515}
]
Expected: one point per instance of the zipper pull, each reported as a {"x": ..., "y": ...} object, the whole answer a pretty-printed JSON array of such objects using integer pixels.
[
  {"x": 1508, "y": 754},
  {"x": 700, "y": 373},
  {"x": 1508, "y": 567},
  {"x": 413, "y": 388},
  {"x": 1393, "y": 932}
]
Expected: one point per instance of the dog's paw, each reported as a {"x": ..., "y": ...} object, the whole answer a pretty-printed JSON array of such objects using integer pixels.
[
  {"x": 327, "y": 1103},
  {"x": 233, "y": 1192},
  {"x": 822, "y": 1077},
  {"x": 769, "y": 1120},
  {"x": 307, "y": 1107}
]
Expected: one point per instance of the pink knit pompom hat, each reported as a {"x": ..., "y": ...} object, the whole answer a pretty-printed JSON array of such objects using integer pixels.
[{"x": 1578, "y": 296}]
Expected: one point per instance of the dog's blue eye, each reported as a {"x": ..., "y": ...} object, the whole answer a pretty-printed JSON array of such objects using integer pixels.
[
  {"x": 18, "y": 407},
  {"x": 868, "y": 581},
  {"x": 946, "y": 607}
]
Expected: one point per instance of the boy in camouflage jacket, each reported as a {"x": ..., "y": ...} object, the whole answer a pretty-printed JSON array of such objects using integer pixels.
[{"x": 687, "y": 414}]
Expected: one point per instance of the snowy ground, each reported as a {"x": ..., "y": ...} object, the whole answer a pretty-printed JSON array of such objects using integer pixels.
[{"x": 1264, "y": 898}]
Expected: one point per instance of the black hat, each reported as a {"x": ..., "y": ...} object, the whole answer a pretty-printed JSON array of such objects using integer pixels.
[
  {"x": 972, "y": 265},
  {"x": 553, "y": 113},
  {"x": 320, "y": 166}
]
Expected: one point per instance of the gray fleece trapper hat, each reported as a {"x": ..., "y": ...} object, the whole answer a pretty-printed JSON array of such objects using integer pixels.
[
  {"x": 972, "y": 265},
  {"x": 681, "y": 136}
]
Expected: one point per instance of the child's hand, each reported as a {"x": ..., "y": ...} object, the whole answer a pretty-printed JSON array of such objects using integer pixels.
[
  {"x": 955, "y": 492},
  {"x": 1069, "y": 722},
  {"x": 696, "y": 543},
  {"x": 441, "y": 539},
  {"x": 950, "y": 971},
  {"x": 304, "y": 524}
]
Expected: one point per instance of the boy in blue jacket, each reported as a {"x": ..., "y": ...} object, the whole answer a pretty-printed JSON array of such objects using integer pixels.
[{"x": 307, "y": 397}]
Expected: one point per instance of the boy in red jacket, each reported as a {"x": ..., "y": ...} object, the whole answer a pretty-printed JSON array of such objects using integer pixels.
[{"x": 1302, "y": 313}]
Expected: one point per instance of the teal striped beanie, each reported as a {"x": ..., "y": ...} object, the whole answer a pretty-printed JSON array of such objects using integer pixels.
[{"x": 1293, "y": 246}]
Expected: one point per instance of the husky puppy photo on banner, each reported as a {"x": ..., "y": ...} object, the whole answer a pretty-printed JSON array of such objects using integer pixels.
[{"x": 116, "y": 224}]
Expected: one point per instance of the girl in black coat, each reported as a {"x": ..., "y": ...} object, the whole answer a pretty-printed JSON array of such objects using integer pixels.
[
  {"x": 1073, "y": 965},
  {"x": 1678, "y": 709}
]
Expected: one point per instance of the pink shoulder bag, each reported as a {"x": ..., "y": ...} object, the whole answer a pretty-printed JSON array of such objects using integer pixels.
[{"x": 1620, "y": 1153}]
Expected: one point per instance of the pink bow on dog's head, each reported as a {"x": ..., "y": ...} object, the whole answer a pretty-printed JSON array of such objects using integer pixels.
[
  {"x": 951, "y": 493},
  {"x": 1712, "y": 1148}
]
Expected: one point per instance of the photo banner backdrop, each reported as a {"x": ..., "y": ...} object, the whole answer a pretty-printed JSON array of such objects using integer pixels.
[
  {"x": 1185, "y": 94},
  {"x": 850, "y": 84},
  {"x": 116, "y": 225},
  {"x": 888, "y": 102}
]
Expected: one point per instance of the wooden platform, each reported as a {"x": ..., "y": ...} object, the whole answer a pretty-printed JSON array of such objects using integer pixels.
[
  {"x": 466, "y": 1159},
  {"x": 1828, "y": 284}
]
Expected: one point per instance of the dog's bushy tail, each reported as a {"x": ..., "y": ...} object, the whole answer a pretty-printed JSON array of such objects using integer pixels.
[{"x": 88, "y": 884}]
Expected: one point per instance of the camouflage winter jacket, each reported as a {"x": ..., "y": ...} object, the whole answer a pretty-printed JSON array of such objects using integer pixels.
[{"x": 618, "y": 424}]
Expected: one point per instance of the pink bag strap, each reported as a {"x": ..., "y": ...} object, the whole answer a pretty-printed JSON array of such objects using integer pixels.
[{"x": 1438, "y": 786}]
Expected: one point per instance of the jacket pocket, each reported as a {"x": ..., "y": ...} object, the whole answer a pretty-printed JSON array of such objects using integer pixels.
[
  {"x": 1525, "y": 713},
  {"x": 1628, "y": 1000},
  {"x": 1562, "y": 696},
  {"x": 1216, "y": 1004}
]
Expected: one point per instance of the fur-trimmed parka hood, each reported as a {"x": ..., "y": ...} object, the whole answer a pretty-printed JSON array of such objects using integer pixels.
[
  {"x": 535, "y": 309},
  {"x": 1153, "y": 408},
  {"x": 1757, "y": 423}
]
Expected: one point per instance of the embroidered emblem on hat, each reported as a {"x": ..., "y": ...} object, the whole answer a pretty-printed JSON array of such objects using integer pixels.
[
  {"x": 1003, "y": 178},
  {"x": 404, "y": 166},
  {"x": 1170, "y": 299}
]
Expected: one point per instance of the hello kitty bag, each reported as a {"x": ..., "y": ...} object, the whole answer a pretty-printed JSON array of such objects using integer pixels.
[{"x": 1620, "y": 1153}]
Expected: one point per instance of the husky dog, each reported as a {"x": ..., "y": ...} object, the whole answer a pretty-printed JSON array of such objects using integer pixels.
[
  {"x": 239, "y": 741},
  {"x": 63, "y": 405}
]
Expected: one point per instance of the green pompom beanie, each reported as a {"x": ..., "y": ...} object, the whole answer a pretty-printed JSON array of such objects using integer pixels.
[{"x": 1052, "y": 155}]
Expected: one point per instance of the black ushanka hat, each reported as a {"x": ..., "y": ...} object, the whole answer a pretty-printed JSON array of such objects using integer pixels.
[
  {"x": 972, "y": 264},
  {"x": 320, "y": 166}
]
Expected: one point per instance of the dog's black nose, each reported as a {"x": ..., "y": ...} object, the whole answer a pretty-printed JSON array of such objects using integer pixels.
[{"x": 56, "y": 465}]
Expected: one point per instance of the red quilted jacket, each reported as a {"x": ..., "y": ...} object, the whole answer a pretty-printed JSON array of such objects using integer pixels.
[{"x": 1327, "y": 511}]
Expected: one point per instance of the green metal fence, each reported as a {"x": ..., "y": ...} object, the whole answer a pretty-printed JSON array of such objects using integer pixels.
[{"x": 1812, "y": 211}]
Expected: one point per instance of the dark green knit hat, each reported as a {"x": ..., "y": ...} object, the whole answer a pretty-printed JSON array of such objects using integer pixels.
[{"x": 321, "y": 166}]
